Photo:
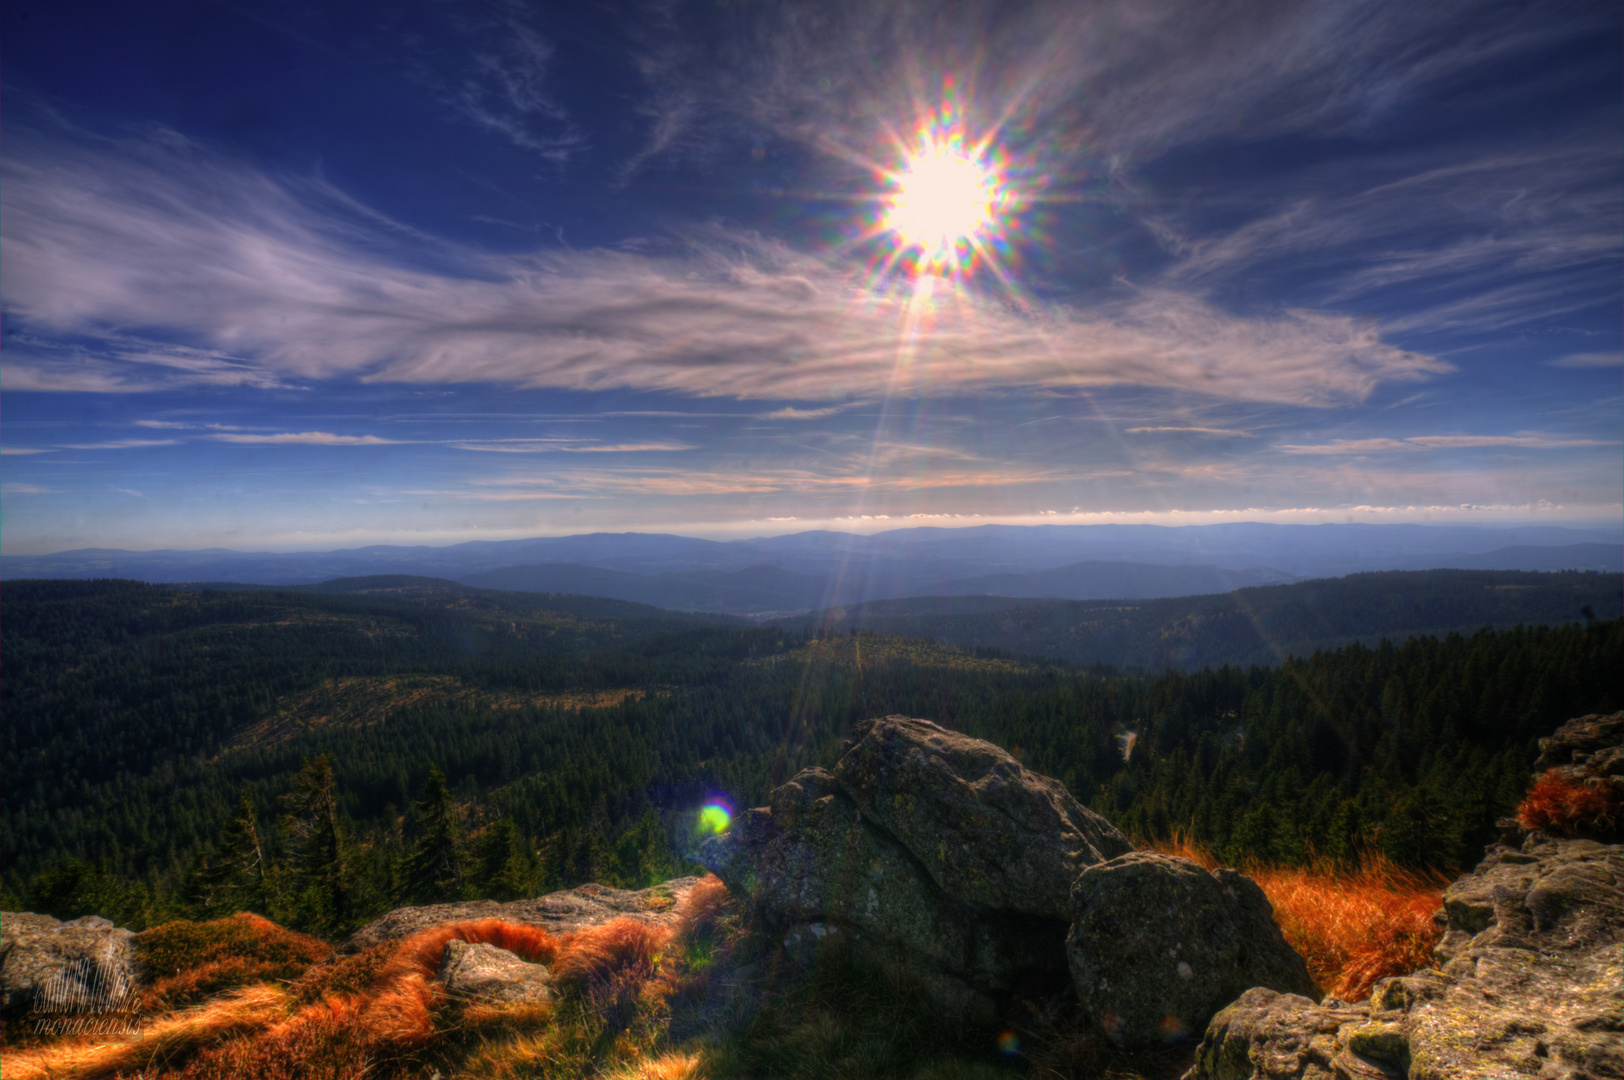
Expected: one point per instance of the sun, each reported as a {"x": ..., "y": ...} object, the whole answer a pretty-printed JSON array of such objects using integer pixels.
[
  {"x": 943, "y": 199},
  {"x": 947, "y": 204}
]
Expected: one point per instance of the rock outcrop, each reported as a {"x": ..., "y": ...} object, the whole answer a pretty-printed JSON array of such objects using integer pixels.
[
  {"x": 487, "y": 974},
  {"x": 558, "y": 912},
  {"x": 1586, "y": 746},
  {"x": 1530, "y": 980},
  {"x": 988, "y": 830},
  {"x": 1158, "y": 945},
  {"x": 81, "y": 966},
  {"x": 934, "y": 851}
]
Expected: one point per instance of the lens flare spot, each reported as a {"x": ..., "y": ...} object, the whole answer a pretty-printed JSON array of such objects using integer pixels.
[
  {"x": 715, "y": 816},
  {"x": 1009, "y": 1044}
]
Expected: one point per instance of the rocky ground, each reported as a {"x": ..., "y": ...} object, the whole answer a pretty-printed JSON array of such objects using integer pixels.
[
  {"x": 990, "y": 887},
  {"x": 1528, "y": 983}
]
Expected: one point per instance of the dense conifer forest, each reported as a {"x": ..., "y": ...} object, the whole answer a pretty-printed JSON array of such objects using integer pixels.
[{"x": 325, "y": 754}]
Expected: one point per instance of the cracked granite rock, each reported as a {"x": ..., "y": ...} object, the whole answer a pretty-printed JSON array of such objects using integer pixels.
[
  {"x": 926, "y": 849},
  {"x": 486, "y": 973},
  {"x": 1530, "y": 984},
  {"x": 83, "y": 965},
  {"x": 1158, "y": 944}
]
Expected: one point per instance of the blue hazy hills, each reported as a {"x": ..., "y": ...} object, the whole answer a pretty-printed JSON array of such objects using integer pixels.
[{"x": 812, "y": 570}]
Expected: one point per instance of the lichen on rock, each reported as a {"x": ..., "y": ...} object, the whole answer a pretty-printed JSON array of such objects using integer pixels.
[
  {"x": 84, "y": 965},
  {"x": 927, "y": 849},
  {"x": 483, "y": 972},
  {"x": 1158, "y": 945}
]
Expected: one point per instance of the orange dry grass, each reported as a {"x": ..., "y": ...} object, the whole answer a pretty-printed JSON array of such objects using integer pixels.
[
  {"x": 209, "y": 957},
  {"x": 616, "y": 967},
  {"x": 421, "y": 952},
  {"x": 392, "y": 1015},
  {"x": 381, "y": 1026},
  {"x": 1562, "y": 806},
  {"x": 703, "y": 907},
  {"x": 1355, "y": 927},
  {"x": 595, "y": 953},
  {"x": 673, "y": 1066},
  {"x": 159, "y": 1043},
  {"x": 1352, "y": 926}
]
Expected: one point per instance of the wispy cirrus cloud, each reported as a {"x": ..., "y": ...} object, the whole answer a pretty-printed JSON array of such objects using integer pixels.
[
  {"x": 1589, "y": 360},
  {"x": 790, "y": 412},
  {"x": 119, "y": 444},
  {"x": 296, "y": 288},
  {"x": 886, "y": 469},
  {"x": 1106, "y": 82},
  {"x": 496, "y": 76},
  {"x": 26, "y": 489},
  {"x": 567, "y": 446},
  {"x": 301, "y": 438},
  {"x": 1440, "y": 442},
  {"x": 1179, "y": 429}
]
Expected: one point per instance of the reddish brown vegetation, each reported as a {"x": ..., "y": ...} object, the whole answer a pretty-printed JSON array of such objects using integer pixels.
[
  {"x": 1567, "y": 807},
  {"x": 704, "y": 905},
  {"x": 210, "y": 957},
  {"x": 616, "y": 967},
  {"x": 1352, "y": 925},
  {"x": 373, "y": 1013}
]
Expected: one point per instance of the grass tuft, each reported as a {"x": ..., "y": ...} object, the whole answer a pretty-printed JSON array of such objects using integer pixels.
[
  {"x": 616, "y": 967},
  {"x": 1354, "y": 925},
  {"x": 1567, "y": 807}
]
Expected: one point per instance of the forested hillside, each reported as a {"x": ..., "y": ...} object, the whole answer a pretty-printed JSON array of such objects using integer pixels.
[
  {"x": 321, "y": 757},
  {"x": 1258, "y": 625}
]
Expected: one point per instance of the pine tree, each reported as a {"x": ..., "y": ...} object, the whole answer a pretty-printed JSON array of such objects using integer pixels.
[
  {"x": 506, "y": 870},
  {"x": 433, "y": 869},
  {"x": 237, "y": 878},
  {"x": 316, "y": 840}
]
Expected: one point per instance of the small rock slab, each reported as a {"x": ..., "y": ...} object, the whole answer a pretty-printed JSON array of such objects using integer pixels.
[
  {"x": 83, "y": 965},
  {"x": 485, "y": 973},
  {"x": 1158, "y": 945},
  {"x": 557, "y": 912}
]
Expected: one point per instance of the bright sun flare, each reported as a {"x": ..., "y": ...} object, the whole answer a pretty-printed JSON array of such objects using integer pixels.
[{"x": 943, "y": 198}]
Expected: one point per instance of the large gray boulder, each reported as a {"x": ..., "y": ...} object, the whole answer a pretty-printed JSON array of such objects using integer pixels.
[
  {"x": 485, "y": 973},
  {"x": 987, "y": 829},
  {"x": 84, "y": 965},
  {"x": 1158, "y": 945},
  {"x": 1530, "y": 985},
  {"x": 927, "y": 849}
]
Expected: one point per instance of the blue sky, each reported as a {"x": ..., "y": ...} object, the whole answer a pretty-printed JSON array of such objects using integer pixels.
[{"x": 308, "y": 275}]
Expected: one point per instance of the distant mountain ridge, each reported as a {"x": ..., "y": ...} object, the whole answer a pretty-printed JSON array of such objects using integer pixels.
[
  {"x": 813, "y": 570},
  {"x": 1113, "y": 581},
  {"x": 1259, "y": 625},
  {"x": 753, "y": 590}
]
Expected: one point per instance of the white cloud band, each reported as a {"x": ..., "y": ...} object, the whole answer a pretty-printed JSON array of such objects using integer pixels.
[{"x": 266, "y": 283}]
